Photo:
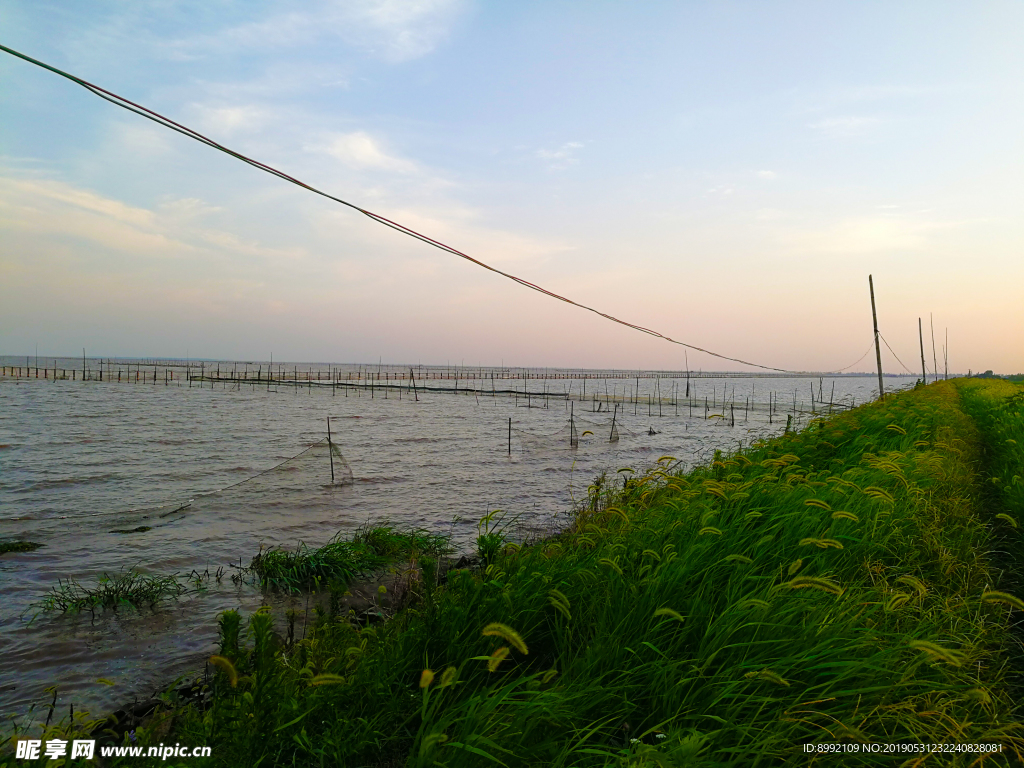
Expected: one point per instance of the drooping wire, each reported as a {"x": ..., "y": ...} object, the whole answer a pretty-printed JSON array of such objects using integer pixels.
[
  {"x": 149, "y": 114},
  {"x": 896, "y": 356},
  {"x": 840, "y": 370}
]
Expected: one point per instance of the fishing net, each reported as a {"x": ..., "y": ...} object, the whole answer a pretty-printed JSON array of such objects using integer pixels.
[
  {"x": 304, "y": 480},
  {"x": 577, "y": 433}
]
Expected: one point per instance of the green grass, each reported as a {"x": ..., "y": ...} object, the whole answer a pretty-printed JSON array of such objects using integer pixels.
[
  {"x": 18, "y": 546},
  {"x": 841, "y": 584},
  {"x": 340, "y": 560},
  {"x": 127, "y": 589}
]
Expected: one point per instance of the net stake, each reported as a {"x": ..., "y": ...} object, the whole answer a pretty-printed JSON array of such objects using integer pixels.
[{"x": 330, "y": 450}]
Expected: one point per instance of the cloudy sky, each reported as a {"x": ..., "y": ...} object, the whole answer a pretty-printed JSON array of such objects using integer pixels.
[{"x": 726, "y": 173}]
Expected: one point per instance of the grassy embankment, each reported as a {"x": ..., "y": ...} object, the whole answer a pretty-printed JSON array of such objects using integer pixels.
[{"x": 836, "y": 585}]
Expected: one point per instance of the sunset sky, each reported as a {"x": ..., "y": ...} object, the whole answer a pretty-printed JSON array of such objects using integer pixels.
[{"x": 726, "y": 173}]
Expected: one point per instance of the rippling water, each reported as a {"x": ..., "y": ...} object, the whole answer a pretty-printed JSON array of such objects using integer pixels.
[{"x": 80, "y": 459}]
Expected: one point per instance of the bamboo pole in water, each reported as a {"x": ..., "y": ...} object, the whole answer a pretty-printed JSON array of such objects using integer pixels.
[{"x": 330, "y": 450}]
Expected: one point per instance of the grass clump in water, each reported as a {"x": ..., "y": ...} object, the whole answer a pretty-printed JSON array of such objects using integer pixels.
[
  {"x": 18, "y": 546},
  {"x": 341, "y": 560},
  {"x": 127, "y": 589}
]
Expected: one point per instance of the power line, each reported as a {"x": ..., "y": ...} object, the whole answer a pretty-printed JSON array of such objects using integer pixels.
[
  {"x": 866, "y": 351},
  {"x": 896, "y": 356},
  {"x": 149, "y": 114}
]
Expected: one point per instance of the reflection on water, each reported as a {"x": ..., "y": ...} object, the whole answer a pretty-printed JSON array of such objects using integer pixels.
[{"x": 79, "y": 460}]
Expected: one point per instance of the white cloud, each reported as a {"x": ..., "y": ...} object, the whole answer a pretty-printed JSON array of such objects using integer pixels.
[
  {"x": 361, "y": 150},
  {"x": 562, "y": 157},
  {"x": 869, "y": 234},
  {"x": 228, "y": 121},
  {"x": 47, "y": 208},
  {"x": 398, "y": 30},
  {"x": 766, "y": 174},
  {"x": 393, "y": 30}
]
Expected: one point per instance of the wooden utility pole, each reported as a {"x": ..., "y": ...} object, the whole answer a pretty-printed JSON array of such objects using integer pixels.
[
  {"x": 945, "y": 355},
  {"x": 935, "y": 358},
  {"x": 878, "y": 349},
  {"x": 920, "y": 337}
]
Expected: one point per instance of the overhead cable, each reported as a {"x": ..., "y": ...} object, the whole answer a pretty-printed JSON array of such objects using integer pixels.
[{"x": 896, "y": 356}]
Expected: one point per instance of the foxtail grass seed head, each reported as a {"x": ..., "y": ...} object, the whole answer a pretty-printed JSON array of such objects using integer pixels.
[
  {"x": 768, "y": 675},
  {"x": 739, "y": 559},
  {"x": 426, "y": 678},
  {"x": 329, "y": 679},
  {"x": 669, "y": 613},
  {"x": 896, "y": 601},
  {"x": 815, "y": 582},
  {"x": 449, "y": 677},
  {"x": 607, "y": 563},
  {"x": 1003, "y": 597},
  {"x": 508, "y": 634},
  {"x": 914, "y": 583},
  {"x": 842, "y": 515},
  {"x": 821, "y": 543},
  {"x": 1007, "y": 518},
  {"x": 496, "y": 658},
  {"x": 227, "y": 667},
  {"x": 937, "y": 652},
  {"x": 879, "y": 493},
  {"x": 708, "y": 529},
  {"x": 818, "y": 503},
  {"x": 795, "y": 566},
  {"x": 980, "y": 695}
]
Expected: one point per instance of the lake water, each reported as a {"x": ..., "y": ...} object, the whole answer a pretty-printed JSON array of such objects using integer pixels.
[{"x": 79, "y": 460}]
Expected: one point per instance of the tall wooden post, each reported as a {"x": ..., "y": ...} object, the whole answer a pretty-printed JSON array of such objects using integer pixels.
[
  {"x": 920, "y": 337},
  {"x": 935, "y": 358},
  {"x": 330, "y": 450},
  {"x": 510, "y": 436},
  {"x": 945, "y": 356},
  {"x": 878, "y": 349}
]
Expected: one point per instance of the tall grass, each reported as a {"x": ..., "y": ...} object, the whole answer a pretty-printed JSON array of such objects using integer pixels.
[
  {"x": 126, "y": 589},
  {"x": 341, "y": 560},
  {"x": 833, "y": 585}
]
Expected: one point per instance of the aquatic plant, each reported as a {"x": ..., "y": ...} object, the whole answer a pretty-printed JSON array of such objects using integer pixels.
[
  {"x": 18, "y": 546},
  {"x": 130, "y": 589},
  {"x": 341, "y": 560}
]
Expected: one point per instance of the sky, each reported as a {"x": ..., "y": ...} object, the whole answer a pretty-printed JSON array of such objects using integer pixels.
[{"x": 728, "y": 174}]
